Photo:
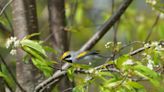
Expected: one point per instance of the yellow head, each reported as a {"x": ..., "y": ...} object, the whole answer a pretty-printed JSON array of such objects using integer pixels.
[{"x": 66, "y": 56}]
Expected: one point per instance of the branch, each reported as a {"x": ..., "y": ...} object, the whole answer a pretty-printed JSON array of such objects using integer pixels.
[
  {"x": 130, "y": 54},
  {"x": 106, "y": 26},
  {"x": 3, "y": 9},
  {"x": 93, "y": 40},
  {"x": 152, "y": 27}
]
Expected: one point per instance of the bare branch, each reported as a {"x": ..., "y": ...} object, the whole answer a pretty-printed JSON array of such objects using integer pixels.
[
  {"x": 151, "y": 29},
  {"x": 3, "y": 9},
  {"x": 106, "y": 26}
]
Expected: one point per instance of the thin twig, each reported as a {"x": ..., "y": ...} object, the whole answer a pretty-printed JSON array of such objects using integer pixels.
[
  {"x": 106, "y": 26},
  {"x": 3, "y": 9},
  {"x": 88, "y": 45},
  {"x": 151, "y": 29},
  {"x": 131, "y": 54},
  {"x": 130, "y": 45},
  {"x": 112, "y": 10},
  {"x": 115, "y": 34},
  {"x": 67, "y": 89},
  {"x": 12, "y": 75}
]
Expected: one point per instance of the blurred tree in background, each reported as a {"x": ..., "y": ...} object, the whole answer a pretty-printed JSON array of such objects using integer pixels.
[{"x": 128, "y": 34}]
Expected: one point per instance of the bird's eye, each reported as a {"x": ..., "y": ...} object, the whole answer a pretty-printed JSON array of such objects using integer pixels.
[{"x": 67, "y": 57}]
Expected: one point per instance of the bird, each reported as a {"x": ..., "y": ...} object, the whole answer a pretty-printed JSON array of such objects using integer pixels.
[{"x": 73, "y": 56}]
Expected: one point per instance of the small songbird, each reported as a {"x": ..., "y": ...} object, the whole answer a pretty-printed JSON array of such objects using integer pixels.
[{"x": 72, "y": 56}]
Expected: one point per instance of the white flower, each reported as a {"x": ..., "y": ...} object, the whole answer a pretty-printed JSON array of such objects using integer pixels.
[
  {"x": 119, "y": 43},
  {"x": 90, "y": 63},
  {"x": 148, "y": 57},
  {"x": 128, "y": 62},
  {"x": 87, "y": 78},
  {"x": 144, "y": 54},
  {"x": 154, "y": 43},
  {"x": 16, "y": 43},
  {"x": 8, "y": 43},
  {"x": 13, "y": 38},
  {"x": 162, "y": 15},
  {"x": 91, "y": 71},
  {"x": 146, "y": 45},
  {"x": 153, "y": 2},
  {"x": 96, "y": 72},
  {"x": 140, "y": 18},
  {"x": 107, "y": 45},
  {"x": 150, "y": 65},
  {"x": 12, "y": 41},
  {"x": 159, "y": 48},
  {"x": 13, "y": 52}
]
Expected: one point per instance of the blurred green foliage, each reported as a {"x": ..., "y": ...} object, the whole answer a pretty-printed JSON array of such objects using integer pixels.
[{"x": 84, "y": 18}]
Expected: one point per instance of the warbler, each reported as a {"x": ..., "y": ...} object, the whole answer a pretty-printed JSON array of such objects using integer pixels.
[{"x": 72, "y": 56}]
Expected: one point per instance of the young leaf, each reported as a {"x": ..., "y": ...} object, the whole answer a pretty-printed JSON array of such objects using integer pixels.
[
  {"x": 135, "y": 85},
  {"x": 70, "y": 74},
  {"x": 78, "y": 89},
  {"x": 31, "y": 35},
  {"x": 49, "y": 49},
  {"x": 43, "y": 66},
  {"x": 34, "y": 45},
  {"x": 33, "y": 53},
  {"x": 8, "y": 79},
  {"x": 121, "y": 60},
  {"x": 148, "y": 74}
]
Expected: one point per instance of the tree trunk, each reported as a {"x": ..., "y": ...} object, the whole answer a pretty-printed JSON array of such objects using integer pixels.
[
  {"x": 60, "y": 36},
  {"x": 24, "y": 21},
  {"x": 57, "y": 24}
]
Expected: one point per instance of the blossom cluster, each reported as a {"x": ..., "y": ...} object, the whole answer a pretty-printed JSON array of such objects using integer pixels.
[
  {"x": 152, "y": 2},
  {"x": 109, "y": 44},
  {"x": 157, "y": 47},
  {"x": 12, "y": 42},
  {"x": 154, "y": 44}
]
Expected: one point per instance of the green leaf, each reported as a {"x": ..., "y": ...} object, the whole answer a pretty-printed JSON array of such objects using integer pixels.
[
  {"x": 105, "y": 74},
  {"x": 49, "y": 49},
  {"x": 26, "y": 58},
  {"x": 70, "y": 74},
  {"x": 145, "y": 72},
  {"x": 33, "y": 53},
  {"x": 113, "y": 84},
  {"x": 44, "y": 66},
  {"x": 34, "y": 45},
  {"x": 8, "y": 79},
  {"x": 31, "y": 35},
  {"x": 79, "y": 14},
  {"x": 104, "y": 89},
  {"x": 121, "y": 60},
  {"x": 135, "y": 85},
  {"x": 6, "y": 75},
  {"x": 78, "y": 89}
]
